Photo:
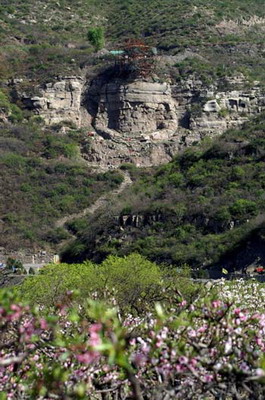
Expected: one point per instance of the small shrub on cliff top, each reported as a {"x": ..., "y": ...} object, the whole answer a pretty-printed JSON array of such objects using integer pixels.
[{"x": 96, "y": 37}]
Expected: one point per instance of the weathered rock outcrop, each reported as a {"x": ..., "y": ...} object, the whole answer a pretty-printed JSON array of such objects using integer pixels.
[
  {"x": 58, "y": 101},
  {"x": 137, "y": 108},
  {"x": 146, "y": 122},
  {"x": 211, "y": 111},
  {"x": 110, "y": 153},
  {"x": 3, "y": 116},
  {"x": 137, "y": 123}
]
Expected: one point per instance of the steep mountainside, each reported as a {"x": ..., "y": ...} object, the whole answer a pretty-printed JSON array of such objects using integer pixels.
[
  {"x": 197, "y": 209},
  {"x": 67, "y": 113}
]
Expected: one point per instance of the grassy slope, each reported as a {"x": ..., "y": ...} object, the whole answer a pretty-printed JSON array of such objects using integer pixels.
[
  {"x": 174, "y": 22},
  {"x": 194, "y": 200},
  {"x": 42, "y": 179},
  {"x": 43, "y": 39},
  {"x": 175, "y": 25},
  {"x": 35, "y": 37}
]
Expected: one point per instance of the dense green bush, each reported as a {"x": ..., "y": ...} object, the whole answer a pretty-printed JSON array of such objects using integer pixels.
[
  {"x": 133, "y": 281},
  {"x": 96, "y": 37},
  {"x": 243, "y": 209},
  {"x": 4, "y": 103}
]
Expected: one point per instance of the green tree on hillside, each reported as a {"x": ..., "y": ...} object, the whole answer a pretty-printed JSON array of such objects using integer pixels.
[{"x": 96, "y": 37}]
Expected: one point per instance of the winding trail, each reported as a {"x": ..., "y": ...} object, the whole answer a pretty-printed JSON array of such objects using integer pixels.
[{"x": 99, "y": 203}]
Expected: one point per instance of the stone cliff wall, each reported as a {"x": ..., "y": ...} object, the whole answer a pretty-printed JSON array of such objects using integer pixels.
[
  {"x": 136, "y": 108},
  {"x": 210, "y": 110},
  {"x": 58, "y": 101},
  {"x": 146, "y": 122}
]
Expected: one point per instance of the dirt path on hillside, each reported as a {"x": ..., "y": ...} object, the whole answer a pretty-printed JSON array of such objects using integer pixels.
[{"x": 99, "y": 203}]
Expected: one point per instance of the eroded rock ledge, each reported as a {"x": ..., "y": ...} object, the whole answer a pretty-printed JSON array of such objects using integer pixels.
[{"x": 145, "y": 122}]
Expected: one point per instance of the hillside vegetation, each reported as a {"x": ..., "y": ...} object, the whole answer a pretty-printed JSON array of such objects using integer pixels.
[
  {"x": 224, "y": 36},
  {"x": 43, "y": 177},
  {"x": 135, "y": 282},
  {"x": 193, "y": 210},
  {"x": 41, "y": 40}
]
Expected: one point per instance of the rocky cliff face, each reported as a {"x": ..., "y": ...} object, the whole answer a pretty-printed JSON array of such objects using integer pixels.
[
  {"x": 137, "y": 108},
  {"x": 110, "y": 153},
  {"x": 211, "y": 110},
  {"x": 145, "y": 122},
  {"x": 59, "y": 101},
  {"x": 137, "y": 122}
]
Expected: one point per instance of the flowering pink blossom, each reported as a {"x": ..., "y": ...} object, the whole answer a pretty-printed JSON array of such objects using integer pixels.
[
  {"x": 43, "y": 324},
  {"x": 208, "y": 378},
  {"x": 183, "y": 303},
  {"x": 139, "y": 359},
  {"x": 88, "y": 357},
  {"x": 183, "y": 360},
  {"x": 95, "y": 328},
  {"x": 216, "y": 303},
  {"x": 94, "y": 339}
]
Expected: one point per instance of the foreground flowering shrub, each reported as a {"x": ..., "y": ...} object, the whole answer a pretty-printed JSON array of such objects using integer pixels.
[
  {"x": 248, "y": 294},
  {"x": 209, "y": 348}
]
